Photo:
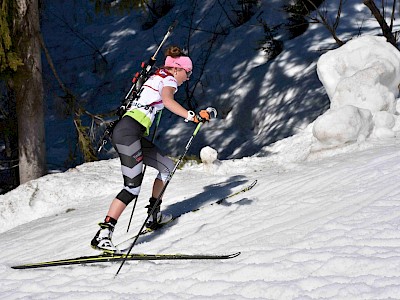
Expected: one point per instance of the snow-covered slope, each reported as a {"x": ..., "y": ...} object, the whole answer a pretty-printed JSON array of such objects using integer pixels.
[{"x": 323, "y": 228}]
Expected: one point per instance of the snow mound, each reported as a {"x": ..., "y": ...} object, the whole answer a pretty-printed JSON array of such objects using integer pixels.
[
  {"x": 345, "y": 124},
  {"x": 362, "y": 81}
]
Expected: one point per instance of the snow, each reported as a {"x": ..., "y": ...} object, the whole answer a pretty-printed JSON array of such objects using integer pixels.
[
  {"x": 208, "y": 155},
  {"x": 362, "y": 83},
  {"x": 323, "y": 221},
  {"x": 324, "y": 227}
]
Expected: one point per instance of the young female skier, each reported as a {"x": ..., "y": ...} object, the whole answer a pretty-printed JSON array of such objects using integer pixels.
[{"x": 134, "y": 150}]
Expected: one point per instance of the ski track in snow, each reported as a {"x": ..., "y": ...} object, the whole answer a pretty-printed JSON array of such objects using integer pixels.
[{"x": 326, "y": 228}]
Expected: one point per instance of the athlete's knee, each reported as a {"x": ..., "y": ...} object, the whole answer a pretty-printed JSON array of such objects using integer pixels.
[
  {"x": 128, "y": 194},
  {"x": 165, "y": 172}
]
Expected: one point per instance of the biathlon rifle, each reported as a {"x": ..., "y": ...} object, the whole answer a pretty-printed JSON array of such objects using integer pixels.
[{"x": 137, "y": 82}]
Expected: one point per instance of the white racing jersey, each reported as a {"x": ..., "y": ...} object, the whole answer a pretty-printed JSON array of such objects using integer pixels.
[{"x": 145, "y": 108}]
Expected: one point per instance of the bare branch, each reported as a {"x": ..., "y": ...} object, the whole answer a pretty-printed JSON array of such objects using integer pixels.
[
  {"x": 339, "y": 12},
  {"x": 84, "y": 141},
  {"x": 381, "y": 20},
  {"x": 52, "y": 67},
  {"x": 392, "y": 16},
  {"x": 323, "y": 19}
]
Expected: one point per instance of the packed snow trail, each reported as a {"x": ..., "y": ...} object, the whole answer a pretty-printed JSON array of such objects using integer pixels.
[{"x": 327, "y": 227}]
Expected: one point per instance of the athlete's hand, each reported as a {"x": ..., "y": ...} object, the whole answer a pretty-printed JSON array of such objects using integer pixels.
[{"x": 203, "y": 116}]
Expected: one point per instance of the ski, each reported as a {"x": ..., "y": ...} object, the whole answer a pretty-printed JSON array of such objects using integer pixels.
[
  {"x": 219, "y": 201},
  {"x": 102, "y": 258},
  {"x": 245, "y": 189},
  {"x": 115, "y": 257}
]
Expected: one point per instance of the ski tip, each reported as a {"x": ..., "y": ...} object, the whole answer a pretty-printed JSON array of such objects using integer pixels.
[
  {"x": 233, "y": 255},
  {"x": 17, "y": 267}
]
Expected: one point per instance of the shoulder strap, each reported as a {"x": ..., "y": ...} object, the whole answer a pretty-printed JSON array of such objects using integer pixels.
[{"x": 163, "y": 73}]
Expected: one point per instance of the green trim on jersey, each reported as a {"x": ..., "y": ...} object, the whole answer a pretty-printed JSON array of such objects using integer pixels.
[{"x": 142, "y": 118}]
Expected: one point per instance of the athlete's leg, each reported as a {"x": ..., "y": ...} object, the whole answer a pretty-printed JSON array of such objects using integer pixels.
[
  {"x": 152, "y": 156},
  {"x": 126, "y": 140}
]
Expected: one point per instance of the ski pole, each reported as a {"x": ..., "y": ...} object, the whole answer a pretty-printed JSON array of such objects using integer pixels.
[
  {"x": 168, "y": 180},
  {"x": 144, "y": 169}
]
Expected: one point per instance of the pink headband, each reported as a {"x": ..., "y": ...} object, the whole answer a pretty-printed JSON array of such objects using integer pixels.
[{"x": 182, "y": 62}]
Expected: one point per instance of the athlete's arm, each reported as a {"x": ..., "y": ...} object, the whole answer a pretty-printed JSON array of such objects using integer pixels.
[{"x": 167, "y": 96}]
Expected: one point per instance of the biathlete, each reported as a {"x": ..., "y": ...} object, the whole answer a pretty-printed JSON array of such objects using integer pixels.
[{"x": 135, "y": 151}]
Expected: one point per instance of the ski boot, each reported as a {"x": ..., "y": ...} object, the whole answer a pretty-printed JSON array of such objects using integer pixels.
[
  {"x": 102, "y": 239},
  {"x": 156, "y": 219}
]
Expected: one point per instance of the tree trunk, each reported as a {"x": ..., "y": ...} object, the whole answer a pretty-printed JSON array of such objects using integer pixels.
[{"x": 28, "y": 87}]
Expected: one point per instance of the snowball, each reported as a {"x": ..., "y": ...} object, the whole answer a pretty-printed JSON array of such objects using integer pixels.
[
  {"x": 383, "y": 133},
  {"x": 384, "y": 119},
  {"x": 343, "y": 125},
  {"x": 208, "y": 155},
  {"x": 384, "y": 124}
]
